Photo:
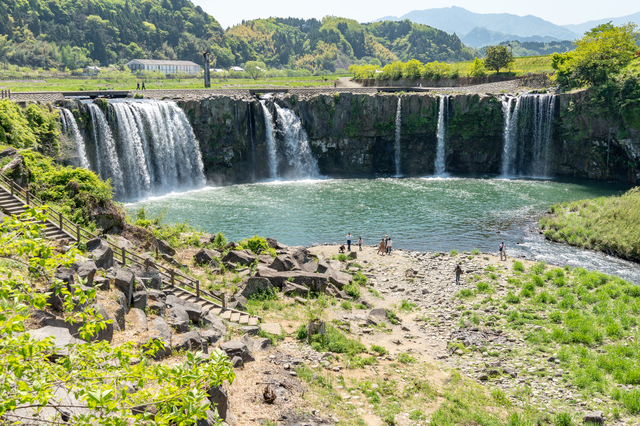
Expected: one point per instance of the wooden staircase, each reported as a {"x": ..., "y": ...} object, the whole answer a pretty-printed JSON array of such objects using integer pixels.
[{"x": 14, "y": 200}]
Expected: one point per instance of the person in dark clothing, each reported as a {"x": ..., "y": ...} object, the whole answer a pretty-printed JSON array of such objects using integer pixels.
[
  {"x": 143, "y": 88},
  {"x": 138, "y": 86},
  {"x": 503, "y": 251},
  {"x": 458, "y": 272},
  {"x": 349, "y": 241},
  {"x": 360, "y": 243}
]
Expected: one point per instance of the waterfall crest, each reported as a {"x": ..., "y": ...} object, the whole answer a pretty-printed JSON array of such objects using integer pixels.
[
  {"x": 396, "y": 146},
  {"x": 152, "y": 149},
  {"x": 528, "y": 135},
  {"x": 272, "y": 153},
  {"x": 443, "y": 107},
  {"x": 298, "y": 153},
  {"x": 70, "y": 128}
]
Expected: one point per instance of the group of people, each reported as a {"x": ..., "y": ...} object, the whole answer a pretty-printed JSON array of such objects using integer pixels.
[
  {"x": 385, "y": 247},
  {"x": 138, "y": 86}
]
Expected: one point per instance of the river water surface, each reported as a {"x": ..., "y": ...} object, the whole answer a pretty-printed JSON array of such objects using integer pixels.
[{"x": 425, "y": 214}]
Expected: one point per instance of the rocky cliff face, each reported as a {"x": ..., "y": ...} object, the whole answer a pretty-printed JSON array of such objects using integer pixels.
[{"x": 352, "y": 135}]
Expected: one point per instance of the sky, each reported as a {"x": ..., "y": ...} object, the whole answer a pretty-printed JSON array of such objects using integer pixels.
[{"x": 559, "y": 12}]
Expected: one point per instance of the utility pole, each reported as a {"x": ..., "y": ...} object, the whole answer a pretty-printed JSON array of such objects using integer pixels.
[{"x": 207, "y": 76}]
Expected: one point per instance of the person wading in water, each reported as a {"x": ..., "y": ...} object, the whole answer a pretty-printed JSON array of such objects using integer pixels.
[{"x": 458, "y": 272}]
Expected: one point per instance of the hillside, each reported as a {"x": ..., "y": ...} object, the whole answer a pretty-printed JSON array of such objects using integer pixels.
[
  {"x": 479, "y": 37},
  {"x": 105, "y": 32},
  {"x": 533, "y": 48},
  {"x": 586, "y": 26},
  {"x": 461, "y": 21},
  {"x": 338, "y": 42}
]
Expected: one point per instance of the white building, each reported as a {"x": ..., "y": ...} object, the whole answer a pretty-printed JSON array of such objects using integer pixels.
[
  {"x": 167, "y": 67},
  {"x": 238, "y": 69}
]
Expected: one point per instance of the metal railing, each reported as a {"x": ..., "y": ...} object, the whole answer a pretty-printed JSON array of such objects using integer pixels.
[
  {"x": 5, "y": 94},
  {"x": 79, "y": 234}
]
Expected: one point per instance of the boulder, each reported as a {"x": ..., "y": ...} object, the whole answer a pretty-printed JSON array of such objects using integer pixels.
[
  {"x": 66, "y": 275},
  {"x": 107, "y": 216},
  {"x": 303, "y": 258},
  {"x": 154, "y": 295},
  {"x": 353, "y": 255},
  {"x": 193, "y": 309},
  {"x": 261, "y": 344},
  {"x": 105, "y": 334},
  {"x": 165, "y": 248},
  {"x": 207, "y": 257},
  {"x": 122, "y": 242},
  {"x": 271, "y": 328},
  {"x": 594, "y": 418},
  {"x": 337, "y": 278},
  {"x": 157, "y": 308},
  {"x": 188, "y": 341},
  {"x": 61, "y": 337},
  {"x": 247, "y": 340},
  {"x": 140, "y": 299},
  {"x": 315, "y": 282},
  {"x": 510, "y": 371},
  {"x": 284, "y": 262},
  {"x": 56, "y": 301},
  {"x": 213, "y": 322},
  {"x": 101, "y": 253},
  {"x": 240, "y": 257},
  {"x": 253, "y": 285},
  {"x": 86, "y": 271},
  {"x": 322, "y": 266},
  {"x": 178, "y": 318},
  {"x": 102, "y": 283},
  {"x": 271, "y": 242},
  {"x": 123, "y": 280},
  {"x": 250, "y": 330},
  {"x": 17, "y": 170},
  {"x": 361, "y": 301},
  {"x": 292, "y": 290},
  {"x": 122, "y": 300},
  {"x": 237, "y": 362},
  {"x": 161, "y": 332},
  {"x": 238, "y": 302},
  {"x": 211, "y": 335},
  {"x": 219, "y": 400},
  {"x": 377, "y": 316},
  {"x": 265, "y": 259},
  {"x": 209, "y": 420},
  {"x": 137, "y": 321},
  {"x": 236, "y": 348},
  {"x": 8, "y": 152}
]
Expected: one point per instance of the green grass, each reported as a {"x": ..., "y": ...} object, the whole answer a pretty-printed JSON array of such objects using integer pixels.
[
  {"x": 522, "y": 66},
  {"x": 66, "y": 83},
  {"x": 609, "y": 224}
]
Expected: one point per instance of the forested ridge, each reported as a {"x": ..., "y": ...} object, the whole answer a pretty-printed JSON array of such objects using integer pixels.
[{"x": 76, "y": 33}]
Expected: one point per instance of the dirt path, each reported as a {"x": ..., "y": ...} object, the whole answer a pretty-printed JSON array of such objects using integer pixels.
[{"x": 346, "y": 82}]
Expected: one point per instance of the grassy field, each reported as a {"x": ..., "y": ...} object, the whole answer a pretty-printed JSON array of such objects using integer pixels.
[
  {"x": 57, "y": 84},
  {"x": 609, "y": 224},
  {"x": 523, "y": 65}
]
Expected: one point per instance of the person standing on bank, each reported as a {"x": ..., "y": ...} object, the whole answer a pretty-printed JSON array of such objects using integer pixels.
[
  {"x": 389, "y": 245},
  {"x": 349, "y": 241},
  {"x": 138, "y": 86},
  {"x": 360, "y": 243},
  {"x": 382, "y": 247},
  {"x": 143, "y": 88},
  {"x": 503, "y": 251},
  {"x": 458, "y": 272}
]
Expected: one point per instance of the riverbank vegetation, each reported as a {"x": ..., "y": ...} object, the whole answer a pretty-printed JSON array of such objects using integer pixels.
[{"x": 609, "y": 224}]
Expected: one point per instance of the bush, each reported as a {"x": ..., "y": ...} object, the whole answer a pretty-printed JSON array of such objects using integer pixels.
[
  {"x": 346, "y": 305},
  {"x": 563, "y": 419},
  {"x": 379, "y": 350},
  {"x": 255, "y": 244},
  {"x": 518, "y": 266},
  {"x": 220, "y": 241},
  {"x": 352, "y": 289},
  {"x": 335, "y": 341},
  {"x": 477, "y": 69}
]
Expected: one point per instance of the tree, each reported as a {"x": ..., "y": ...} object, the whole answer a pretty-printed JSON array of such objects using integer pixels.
[
  {"x": 255, "y": 69},
  {"x": 477, "y": 69},
  {"x": 603, "y": 51},
  {"x": 87, "y": 385},
  {"x": 497, "y": 57}
]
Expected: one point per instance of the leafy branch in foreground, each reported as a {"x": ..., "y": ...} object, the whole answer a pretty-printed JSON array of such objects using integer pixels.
[{"x": 86, "y": 383}]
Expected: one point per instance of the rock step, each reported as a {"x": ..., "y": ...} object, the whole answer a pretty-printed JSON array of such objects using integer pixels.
[
  {"x": 235, "y": 317},
  {"x": 244, "y": 319},
  {"x": 226, "y": 315},
  {"x": 253, "y": 321}
]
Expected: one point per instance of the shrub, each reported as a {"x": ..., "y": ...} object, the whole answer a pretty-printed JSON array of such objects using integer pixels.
[
  {"x": 352, "y": 289},
  {"x": 220, "y": 241},
  {"x": 563, "y": 419},
  {"x": 335, "y": 341},
  {"x": 255, "y": 244},
  {"x": 512, "y": 298},
  {"x": 379, "y": 350},
  {"x": 406, "y": 306},
  {"x": 453, "y": 252},
  {"x": 360, "y": 306},
  {"x": 346, "y": 305},
  {"x": 475, "y": 252},
  {"x": 406, "y": 358},
  {"x": 518, "y": 266}
]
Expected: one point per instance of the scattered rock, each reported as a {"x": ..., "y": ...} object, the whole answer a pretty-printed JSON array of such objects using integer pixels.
[
  {"x": 101, "y": 253},
  {"x": 271, "y": 328},
  {"x": 165, "y": 248},
  {"x": 594, "y": 417},
  {"x": 284, "y": 262},
  {"x": 219, "y": 400},
  {"x": 240, "y": 257},
  {"x": 86, "y": 271},
  {"x": 377, "y": 316},
  {"x": 188, "y": 341},
  {"x": 236, "y": 348},
  {"x": 291, "y": 289},
  {"x": 161, "y": 332},
  {"x": 207, "y": 257},
  {"x": 137, "y": 321},
  {"x": 140, "y": 299},
  {"x": 268, "y": 395},
  {"x": 255, "y": 285},
  {"x": 61, "y": 337},
  {"x": 193, "y": 309},
  {"x": 237, "y": 362},
  {"x": 251, "y": 330},
  {"x": 178, "y": 318},
  {"x": 123, "y": 281}
]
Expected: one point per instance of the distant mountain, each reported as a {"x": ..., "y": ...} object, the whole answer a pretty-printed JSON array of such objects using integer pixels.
[
  {"x": 533, "y": 48},
  {"x": 581, "y": 28},
  {"x": 461, "y": 21},
  {"x": 479, "y": 37}
]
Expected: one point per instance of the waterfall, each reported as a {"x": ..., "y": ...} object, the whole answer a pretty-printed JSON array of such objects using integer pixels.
[
  {"x": 440, "y": 166},
  {"x": 528, "y": 135},
  {"x": 396, "y": 147},
  {"x": 271, "y": 143},
  {"x": 70, "y": 128},
  {"x": 542, "y": 111},
  {"x": 298, "y": 153},
  {"x": 107, "y": 162},
  {"x": 151, "y": 151},
  {"x": 510, "y": 132},
  {"x": 253, "y": 143}
]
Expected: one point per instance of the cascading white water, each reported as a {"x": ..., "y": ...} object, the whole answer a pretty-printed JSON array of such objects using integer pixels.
[
  {"x": 508, "y": 167},
  {"x": 440, "y": 166},
  {"x": 543, "y": 109},
  {"x": 107, "y": 162},
  {"x": 158, "y": 150},
  {"x": 271, "y": 142},
  {"x": 302, "y": 164},
  {"x": 396, "y": 147},
  {"x": 528, "y": 133},
  {"x": 70, "y": 128}
]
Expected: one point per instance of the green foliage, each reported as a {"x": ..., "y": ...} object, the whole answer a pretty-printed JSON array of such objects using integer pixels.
[
  {"x": 178, "y": 391},
  {"x": 255, "y": 69},
  {"x": 453, "y": 252},
  {"x": 563, "y": 419},
  {"x": 346, "y": 305},
  {"x": 34, "y": 127},
  {"x": 406, "y": 306},
  {"x": 475, "y": 252},
  {"x": 255, "y": 244},
  {"x": 335, "y": 341},
  {"x": 477, "y": 69},
  {"x": 601, "y": 53},
  {"x": 220, "y": 241},
  {"x": 406, "y": 358},
  {"x": 352, "y": 289},
  {"x": 610, "y": 224},
  {"x": 518, "y": 266},
  {"x": 379, "y": 350},
  {"x": 497, "y": 57}
]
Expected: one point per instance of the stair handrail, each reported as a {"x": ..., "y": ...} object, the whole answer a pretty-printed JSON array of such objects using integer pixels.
[{"x": 58, "y": 219}]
